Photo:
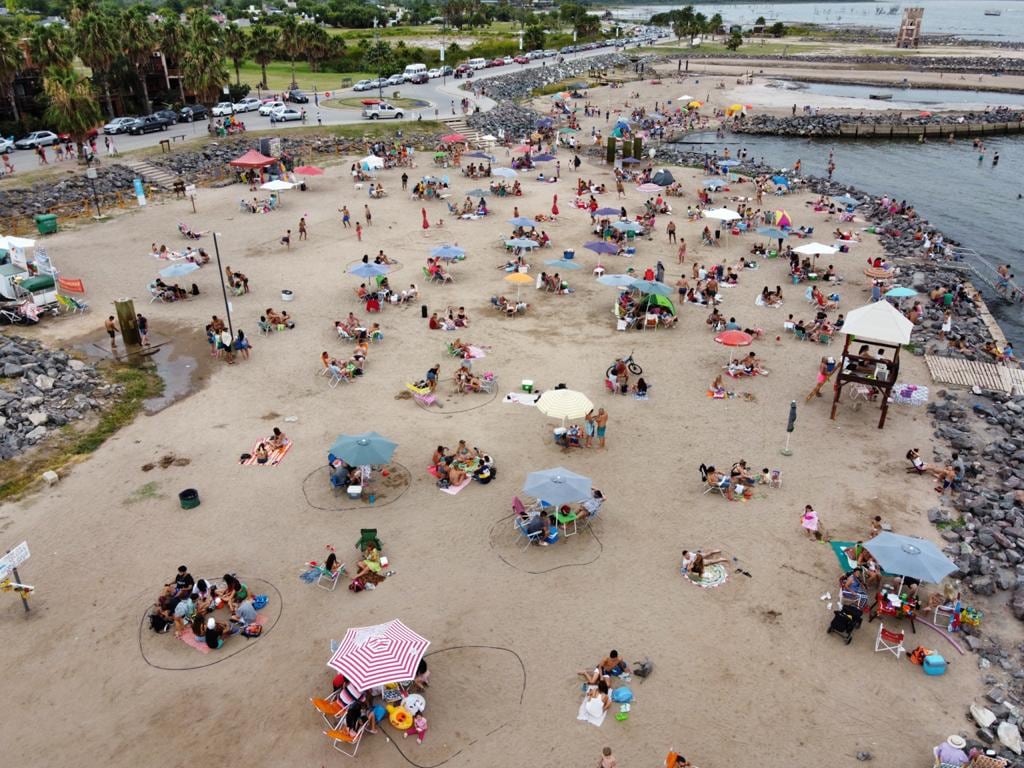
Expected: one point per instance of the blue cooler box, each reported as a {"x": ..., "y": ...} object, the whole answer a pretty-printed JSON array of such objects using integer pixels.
[{"x": 934, "y": 665}]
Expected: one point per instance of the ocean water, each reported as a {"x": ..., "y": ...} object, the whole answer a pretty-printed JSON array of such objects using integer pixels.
[
  {"x": 926, "y": 98},
  {"x": 973, "y": 202},
  {"x": 965, "y": 18}
]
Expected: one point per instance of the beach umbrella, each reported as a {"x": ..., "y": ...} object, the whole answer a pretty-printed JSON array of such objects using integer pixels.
[
  {"x": 648, "y": 187},
  {"x": 554, "y": 205},
  {"x": 713, "y": 183},
  {"x": 627, "y": 226},
  {"x": 522, "y": 149},
  {"x": 685, "y": 98},
  {"x": 568, "y": 130},
  {"x": 179, "y": 270},
  {"x": 727, "y": 163},
  {"x": 557, "y": 486},
  {"x": 734, "y": 339},
  {"x": 601, "y": 247},
  {"x": 522, "y": 242},
  {"x": 522, "y": 221},
  {"x": 309, "y": 170},
  {"x": 617, "y": 281},
  {"x": 378, "y": 655},
  {"x": 426, "y": 222},
  {"x": 544, "y": 122},
  {"x": 607, "y": 211},
  {"x": 631, "y": 161},
  {"x": 722, "y": 214},
  {"x": 695, "y": 104},
  {"x": 790, "y": 426},
  {"x": 564, "y": 263},
  {"x": 372, "y": 162},
  {"x": 478, "y": 193},
  {"x": 663, "y": 178},
  {"x": 576, "y": 86},
  {"x": 506, "y": 173},
  {"x": 900, "y": 292},
  {"x": 846, "y": 200},
  {"x": 277, "y": 185},
  {"x": 520, "y": 280},
  {"x": 564, "y": 404},
  {"x": 773, "y": 232},
  {"x": 782, "y": 181},
  {"x": 363, "y": 449},
  {"x": 447, "y": 252},
  {"x": 369, "y": 270},
  {"x": 910, "y": 556},
  {"x": 783, "y": 219},
  {"x": 816, "y": 249},
  {"x": 656, "y": 300},
  {"x": 481, "y": 155},
  {"x": 453, "y": 138},
  {"x": 545, "y": 158},
  {"x": 652, "y": 286}
]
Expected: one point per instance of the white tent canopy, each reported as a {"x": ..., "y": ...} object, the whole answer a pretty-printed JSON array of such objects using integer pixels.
[
  {"x": 722, "y": 214},
  {"x": 277, "y": 185},
  {"x": 816, "y": 249},
  {"x": 879, "y": 322},
  {"x": 372, "y": 162}
]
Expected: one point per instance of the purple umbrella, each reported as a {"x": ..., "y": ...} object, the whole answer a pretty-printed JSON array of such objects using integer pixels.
[
  {"x": 630, "y": 161},
  {"x": 606, "y": 211},
  {"x": 545, "y": 158},
  {"x": 601, "y": 247}
]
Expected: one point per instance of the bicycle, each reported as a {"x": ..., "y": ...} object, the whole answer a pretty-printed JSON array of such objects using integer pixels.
[{"x": 635, "y": 369}]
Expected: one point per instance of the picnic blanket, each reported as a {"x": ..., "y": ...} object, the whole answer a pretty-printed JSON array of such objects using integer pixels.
[
  {"x": 189, "y": 638},
  {"x": 909, "y": 394},
  {"x": 714, "y": 576},
  {"x": 587, "y": 716},
  {"x": 759, "y": 301},
  {"x": 275, "y": 455},
  {"x": 451, "y": 490},
  {"x": 522, "y": 398}
]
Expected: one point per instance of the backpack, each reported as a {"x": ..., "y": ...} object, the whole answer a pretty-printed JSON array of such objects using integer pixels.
[
  {"x": 259, "y": 602},
  {"x": 356, "y": 585},
  {"x": 252, "y": 630}
]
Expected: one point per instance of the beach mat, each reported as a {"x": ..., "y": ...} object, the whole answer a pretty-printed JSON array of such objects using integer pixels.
[
  {"x": 588, "y": 717},
  {"x": 522, "y": 398},
  {"x": 844, "y": 561},
  {"x": 451, "y": 490},
  {"x": 189, "y": 639},
  {"x": 275, "y": 456},
  {"x": 714, "y": 576}
]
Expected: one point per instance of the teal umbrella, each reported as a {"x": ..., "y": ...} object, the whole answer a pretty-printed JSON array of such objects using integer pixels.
[
  {"x": 650, "y": 286},
  {"x": 901, "y": 292},
  {"x": 363, "y": 449}
]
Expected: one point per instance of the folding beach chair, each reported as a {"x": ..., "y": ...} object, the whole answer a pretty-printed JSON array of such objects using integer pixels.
[
  {"x": 329, "y": 581},
  {"x": 722, "y": 487},
  {"x": 891, "y": 642},
  {"x": 529, "y": 538},
  {"x": 332, "y": 712},
  {"x": 343, "y": 740}
]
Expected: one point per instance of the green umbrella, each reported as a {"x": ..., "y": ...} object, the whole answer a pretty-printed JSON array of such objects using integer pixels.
[{"x": 656, "y": 300}]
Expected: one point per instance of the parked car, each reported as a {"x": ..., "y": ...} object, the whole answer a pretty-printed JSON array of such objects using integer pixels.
[
  {"x": 297, "y": 97},
  {"x": 381, "y": 110},
  {"x": 549, "y": 52},
  {"x": 37, "y": 139},
  {"x": 520, "y": 59},
  {"x": 191, "y": 112},
  {"x": 447, "y": 71},
  {"x": 149, "y": 124},
  {"x": 567, "y": 49},
  {"x": 119, "y": 125},
  {"x": 507, "y": 59},
  {"x": 419, "y": 78},
  {"x": 499, "y": 62},
  {"x": 224, "y": 109},
  {"x": 285, "y": 115},
  {"x": 364, "y": 85},
  {"x": 248, "y": 104},
  {"x": 167, "y": 114},
  {"x": 537, "y": 54},
  {"x": 6, "y": 145},
  {"x": 271, "y": 107},
  {"x": 432, "y": 73},
  {"x": 398, "y": 79}
]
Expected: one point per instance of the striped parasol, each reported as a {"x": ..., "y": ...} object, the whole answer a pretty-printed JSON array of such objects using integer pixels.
[{"x": 377, "y": 655}]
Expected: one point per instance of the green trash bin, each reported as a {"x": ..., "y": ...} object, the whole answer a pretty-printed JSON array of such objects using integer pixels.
[{"x": 46, "y": 223}]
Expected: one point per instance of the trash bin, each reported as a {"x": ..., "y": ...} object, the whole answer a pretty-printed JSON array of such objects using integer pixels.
[
  {"x": 46, "y": 223},
  {"x": 189, "y": 498}
]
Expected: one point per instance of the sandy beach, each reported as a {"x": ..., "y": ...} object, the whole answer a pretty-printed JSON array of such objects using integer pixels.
[{"x": 740, "y": 669}]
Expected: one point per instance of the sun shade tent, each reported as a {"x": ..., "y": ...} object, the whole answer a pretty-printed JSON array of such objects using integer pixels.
[
  {"x": 252, "y": 159},
  {"x": 879, "y": 324}
]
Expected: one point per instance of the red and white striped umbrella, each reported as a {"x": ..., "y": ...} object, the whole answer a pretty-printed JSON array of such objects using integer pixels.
[{"x": 377, "y": 655}]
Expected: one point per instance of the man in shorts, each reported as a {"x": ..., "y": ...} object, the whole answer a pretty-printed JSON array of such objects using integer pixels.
[
  {"x": 602, "y": 423},
  {"x": 111, "y": 327}
]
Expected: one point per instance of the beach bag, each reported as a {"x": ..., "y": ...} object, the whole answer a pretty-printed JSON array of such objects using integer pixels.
[
  {"x": 622, "y": 695},
  {"x": 259, "y": 602},
  {"x": 252, "y": 630},
  {"x": 356, "y": 585}
]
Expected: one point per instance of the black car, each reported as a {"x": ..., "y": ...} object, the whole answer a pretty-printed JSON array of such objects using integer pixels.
[
  {"x": 149, "y": 124},
  {"x": 298, "y": 97},
  {"x": 191, "y": 112},
  {"x": 419, "y": 78},
  {"x": 169, "y": 115}
]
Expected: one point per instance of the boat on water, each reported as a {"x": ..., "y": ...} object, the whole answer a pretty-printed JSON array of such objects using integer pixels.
[
  {"x": 993, "y": 12},
  {"x": 880, "y": 96}
]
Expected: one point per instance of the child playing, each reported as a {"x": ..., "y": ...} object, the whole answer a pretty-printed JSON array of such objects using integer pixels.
[{"x": 419, "y": 727}]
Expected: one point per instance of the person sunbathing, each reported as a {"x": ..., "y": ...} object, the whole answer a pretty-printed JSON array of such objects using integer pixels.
[
  {"x": 591, "y": 506},
  {"x": 262, "y": 457},
  {"x": 369, "y": 564},
  {"x": 278, "y": 439},
  {"x": 691, "y": 558},
  {"x": 600, "y": 692}
]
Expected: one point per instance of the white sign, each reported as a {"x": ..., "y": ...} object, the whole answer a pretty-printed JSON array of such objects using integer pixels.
[
  {"x": 190, "y": 190},
  {"x": 16, "y": 556},
  {"x": 440, "y": 49}
]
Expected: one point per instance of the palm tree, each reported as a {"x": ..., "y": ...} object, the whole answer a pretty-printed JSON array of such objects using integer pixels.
[
  {"x": 236, "y": 47},
  {"x": 316, "y": 44},
  {"x": 11, "y": 62},
  {"x": 97, "y": 48},
  {"x": 139, "y": 41},
  {"x": 715, "y": 24},
  {"x": 263, "y": 46},
  {"x": 174, "y": 40},
  {"x": 288, "y": 37},
  {"x": 202, "y": 65},
  {"x": 72, "y": 108},
  {"x": 51, "y": 46}
]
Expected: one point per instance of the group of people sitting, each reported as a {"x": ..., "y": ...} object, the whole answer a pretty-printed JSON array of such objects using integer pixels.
[
  {"x": 693, "y": 563},
  {"x": 258, "y": 206},
  {"x": 272, "y": 320},
  {"x": 502, "y": 189},
  {"x": 189, "y": 605},
  {"x": 277, "y": 440},
  {"x": 476, "y": 171},
  {"x": 748, "y": 365},
  {"x": 553, "y": 283},
  {"x": 950, "y": 475},
  {"x": 354, "y": 365},
  {"x": 451, "y": 319},
  {"x": 453, "y": 467},
  {"x": 508, "y": 306},
  {"x": 818, "y": 330},
  {"x": 172, "y": 291},
  {"x": 435, "y": 271},
  {"x": 239, "y": 282},
  {"x": 739, "y": 482},
  {"x": 541, "y": 524}
]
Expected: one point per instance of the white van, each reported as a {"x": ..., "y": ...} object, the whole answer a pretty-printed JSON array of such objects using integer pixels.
[
  {"x": 414, "y": 69},
  {"x": 478, "y": 63}
]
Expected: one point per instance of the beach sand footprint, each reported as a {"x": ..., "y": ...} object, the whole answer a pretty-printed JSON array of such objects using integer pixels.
[
  {"x": 474, "y": 692},
  {"x": 578, "y": 550},
  {"x": 319, "y": 494}
]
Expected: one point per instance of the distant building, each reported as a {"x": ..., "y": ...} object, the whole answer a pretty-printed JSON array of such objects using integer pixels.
[{"x": 910, "y": 28}]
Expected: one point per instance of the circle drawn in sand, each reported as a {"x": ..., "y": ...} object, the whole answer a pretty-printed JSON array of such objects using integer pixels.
[
  {"x": 458, "y": 403},
  {"x": 580, "y": 549},
  {"x": 393, "y": 267},
  {"x": 167, "y": 652},
  {"x": 317, "y": 490}
]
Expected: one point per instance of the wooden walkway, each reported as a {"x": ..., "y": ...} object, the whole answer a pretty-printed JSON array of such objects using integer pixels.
[{"x": 958, "y": 372}]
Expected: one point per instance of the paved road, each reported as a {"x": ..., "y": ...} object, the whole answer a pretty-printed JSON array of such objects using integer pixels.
[{"x": 438, "y": 94}]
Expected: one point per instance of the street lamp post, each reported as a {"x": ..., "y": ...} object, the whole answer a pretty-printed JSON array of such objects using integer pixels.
[
  {"x": 91, "y": 175},
  {"x": 223, "y": 288}
]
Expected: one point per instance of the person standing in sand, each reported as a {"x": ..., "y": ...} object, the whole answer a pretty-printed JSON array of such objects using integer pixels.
[
  {"x": 302, "y": 228},
  {"x": 810, "y": 523},
  {"x": 111, "y": 328},
  {"x": 826, "y": 368},
  {"x": 682, "y": 250},
  {"x": 346, "y": 217},
  {"x": 671, "y": 231},
  {"x": 589, "y": 428},
  {"x": 368, "y": 215},
  {"x": 601, "y": 420}
]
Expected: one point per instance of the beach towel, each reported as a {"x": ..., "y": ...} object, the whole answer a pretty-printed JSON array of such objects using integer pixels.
[
  {"x": 522, "y": 398},
  {"x": 588, "y": 716},
  {"x": 839, "y": 547},
  {"x": 189, "y": 638},
  {"x": 274, "y": 456},
  {"x": 714, "y": 576},
  {"x": 759, "y": 301},
  {"x": 451, "y": 490},
  {"x": 476, "y": 352}
]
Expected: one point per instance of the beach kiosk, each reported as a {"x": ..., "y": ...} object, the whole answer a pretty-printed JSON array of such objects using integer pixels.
[{"x": 884, "y": 329}]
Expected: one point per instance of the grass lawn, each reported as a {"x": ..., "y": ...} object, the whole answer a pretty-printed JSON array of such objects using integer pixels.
[
  {"x": 495, "y": 29},
  {"x": 279, "y": 76},
  {"x": 356, "y": 102}
]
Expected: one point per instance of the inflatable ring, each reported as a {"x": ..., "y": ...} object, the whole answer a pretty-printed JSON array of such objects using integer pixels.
[{"x": 400, "y": 718}]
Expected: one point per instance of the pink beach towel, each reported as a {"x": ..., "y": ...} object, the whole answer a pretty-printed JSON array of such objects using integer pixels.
[
  {"x": 189, "y": 638},
  {"x": 275, "y": 455}
]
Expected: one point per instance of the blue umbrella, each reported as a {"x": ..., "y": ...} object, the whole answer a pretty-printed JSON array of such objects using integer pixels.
[
  {"x": 362, "y": 449},
  {"x": 562, "y": 263},
  {"x": 522, "y": 221},
  {"x": 712, "y": 183},
  {"x": 481, "y": 155},
  {"x": 478, "y": 193},
  {"x": 617, "y": 281},
  {"x": 601, "y": 247},
  {"x": 448, "y": 252},
  {"x": 900, "y": 292},
  {"x": 627, "y": 226},
  {"x": 545, "y": 122},
  {"x": 507, "y": 173},
  {"x": 773, "y": 232},
  {"x": 650, "y": 286},
  {"x": 780, "y": 180},
  {"x": 179, "y": 270},
  {"x": 557, "y": 486},
  {"x": 727, "y": 163},
  {"x": 908, "y": 556},
  {"x": 521, "y": 242},
  {"x": 846, "y": 200},
  {"x": 545, "y": 158},
  {"x": 606, "y": 211},
  {"x": 368, "y": 270}
]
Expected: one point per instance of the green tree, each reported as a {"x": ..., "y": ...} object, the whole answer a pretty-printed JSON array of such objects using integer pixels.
[
  {"x": 11, "y": 62},
  {"x": 533, "y": 37},
  {"x": 778, "y": 29},
  {"x": 682, "y": 23},
  {"x": 735, "y": 40},
  {"x": 262, "y": 47},
  {"x": 289, "y": 40},
  {"x": 138, "y": 40},
  {"x": 236, "y": 48},
  {"x": 72, "y": 107},
  {"x": 699, "y": 27},
  {"x": 714, "y": 24},
  {"x": 316, "y": 44},
  {"x": 202, "y": 65},
  {"x": 760, "y": 21},
  {"x": 51, "y": 46}
]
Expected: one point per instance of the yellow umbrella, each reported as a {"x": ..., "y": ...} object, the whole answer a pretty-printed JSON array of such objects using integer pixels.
[
  {"x": 735, "y": 107},
  {"x": 695, "y": 104},
  {"x": 519, "y": 279}
]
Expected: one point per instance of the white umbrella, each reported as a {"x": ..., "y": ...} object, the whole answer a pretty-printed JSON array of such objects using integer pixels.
[
  {"x": 277, "y": 185},
  {"x": 564, "y": 404},
  {"x": 685, "y": 98},
  {"x": 816, "y": 249},
  {"x": 722, "y": 214},
  {"x": 7, "y": 242},
  {"x": 372, "y": 161}
]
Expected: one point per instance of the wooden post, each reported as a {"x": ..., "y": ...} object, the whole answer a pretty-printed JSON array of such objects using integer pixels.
[{"x": 125, "y": 309}]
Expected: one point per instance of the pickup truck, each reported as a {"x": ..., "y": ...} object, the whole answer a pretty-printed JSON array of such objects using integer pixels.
[{"x": 381, "y": 110}]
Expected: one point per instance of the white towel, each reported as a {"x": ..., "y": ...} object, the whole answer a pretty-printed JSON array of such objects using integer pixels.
[
  {"x": 522, "y": 398},
  {"x": 587, "y": 716}
]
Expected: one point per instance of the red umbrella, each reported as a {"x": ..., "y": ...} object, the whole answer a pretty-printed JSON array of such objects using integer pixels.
[
  {"x": 453, "y": 138},
  {"x": 309, "y": 170},
  {"x": 426, "y": 224},
  {"x": 734, "y": 338},
  {"x": 554, "y": 206}
]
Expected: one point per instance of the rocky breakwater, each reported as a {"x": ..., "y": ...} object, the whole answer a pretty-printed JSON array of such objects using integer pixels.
[
  {"x": 519, "y": 85},
  {"x": 42, "y": 390},
  {"x": 830, "y": 124},
  {"x": 510, "y": 118},
  {"x": 72, "y": 188},
  {"x": 987, "y": 65}
]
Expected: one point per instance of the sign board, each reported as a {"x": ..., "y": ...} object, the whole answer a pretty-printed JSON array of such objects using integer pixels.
[
  {"x": 13, "y": 559},
  {"x": 190, "y": 190}
]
